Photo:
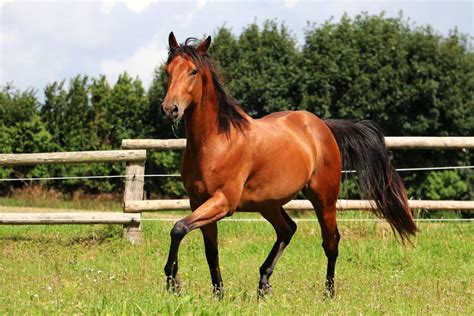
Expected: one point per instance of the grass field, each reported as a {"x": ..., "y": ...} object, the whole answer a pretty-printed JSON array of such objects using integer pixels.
[{"x": 92, "y": 270}]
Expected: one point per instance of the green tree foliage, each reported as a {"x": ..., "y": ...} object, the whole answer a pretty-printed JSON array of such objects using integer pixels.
[
  {"x": 101, "y": 103},
  {"x": 411, "y": 81},
  {"x": 88, "y": 114},
  {"x": 22, "y": 127},
  {"x": 21, "y": 130},
  {"x": 129, "y": 109},
  {"x": 261, "y": 67}
]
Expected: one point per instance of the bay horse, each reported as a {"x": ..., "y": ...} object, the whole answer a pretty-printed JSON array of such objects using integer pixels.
[{"x": 233, "y": 162}]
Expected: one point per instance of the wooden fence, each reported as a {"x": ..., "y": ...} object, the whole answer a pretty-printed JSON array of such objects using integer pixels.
[
  {"x": 134, "y": 154},
  {"x": 134, "y": 178},
  {"x": 454, "y": 143},
  {"x": 418, "y": 142}
]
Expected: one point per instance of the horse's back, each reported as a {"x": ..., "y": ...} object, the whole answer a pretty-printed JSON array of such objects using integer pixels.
[{"x": 304, "y": 126}]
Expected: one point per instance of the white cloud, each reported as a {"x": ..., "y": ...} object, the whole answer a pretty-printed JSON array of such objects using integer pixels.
[
  {"x": 290, "y": 3},
  {"x": 2, "y": 2},
  {"x": 201, "y": 3},
  {"x": 141, "y": 63},
  {"x": 7, "y": 37},
  {"x": 107, "y": 5},
  {"x": 136, "y": 6}
]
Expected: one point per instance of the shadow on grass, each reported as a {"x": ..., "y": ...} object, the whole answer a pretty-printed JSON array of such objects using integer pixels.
[
  {"x": 16, "y": 238},
  {"x": 98, "y": 236}
]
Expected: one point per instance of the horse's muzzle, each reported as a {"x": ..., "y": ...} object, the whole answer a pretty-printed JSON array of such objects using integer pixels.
[{"x": 171, "y": 112}]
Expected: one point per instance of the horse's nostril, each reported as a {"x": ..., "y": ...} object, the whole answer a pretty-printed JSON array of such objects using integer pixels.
[{"x": 174, "y": 109}]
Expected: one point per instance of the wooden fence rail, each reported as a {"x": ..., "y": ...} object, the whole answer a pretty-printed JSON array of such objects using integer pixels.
[
  {"x": 72, "y": 157},
  {"x": 134, "y": 172},
  {"x": 298, "y": 205},
  {"x": 418, "y": 142},
  {"x": 70, "y": 218}
]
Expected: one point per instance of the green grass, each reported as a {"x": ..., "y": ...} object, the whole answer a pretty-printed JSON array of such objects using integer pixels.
[{"x": 92, "y": 270}]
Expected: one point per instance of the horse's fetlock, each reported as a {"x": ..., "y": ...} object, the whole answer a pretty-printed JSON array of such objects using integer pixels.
[
  {"x": 171, "y": 269},
  {"x": 265, "y": 273}
]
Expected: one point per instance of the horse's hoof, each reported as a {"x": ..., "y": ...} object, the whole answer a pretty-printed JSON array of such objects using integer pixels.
[
  {"x": 173, "y": 285},
  {"x": 329, "y": 290},
  {"x": 218, "y": 292},
  {"x": 264, "y": 290}
]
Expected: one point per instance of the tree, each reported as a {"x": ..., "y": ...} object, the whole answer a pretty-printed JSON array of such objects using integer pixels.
[
  {"x": 21, "y": 131},
  {"x": 128, "y": 109},
  {"x": 101, "y": 103},
  {"x": 261, "y": 67}
]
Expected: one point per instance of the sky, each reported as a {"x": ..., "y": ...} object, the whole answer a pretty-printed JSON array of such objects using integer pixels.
[{"x": 45, "y": 41}]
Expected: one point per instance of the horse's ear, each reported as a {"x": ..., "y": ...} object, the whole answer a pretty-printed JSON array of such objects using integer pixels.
[
  {"x": 172, "y": 42},
  {"x": 204, "y": 45}
]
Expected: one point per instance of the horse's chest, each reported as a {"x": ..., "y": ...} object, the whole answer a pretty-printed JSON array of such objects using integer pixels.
[{"x": 199, "y": 186}]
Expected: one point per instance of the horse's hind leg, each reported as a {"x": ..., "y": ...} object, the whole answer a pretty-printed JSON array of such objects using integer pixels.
[
  {"x": 326, "y": 213},
  {"x": 285, "y": 228}
]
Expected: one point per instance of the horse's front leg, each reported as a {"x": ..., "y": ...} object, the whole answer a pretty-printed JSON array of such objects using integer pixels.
[
  {"x": 211, "y": 211},
  {"x": 209, "y": 233}
]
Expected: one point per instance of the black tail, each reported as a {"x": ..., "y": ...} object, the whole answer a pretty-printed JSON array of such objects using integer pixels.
[{"x": 363, "y": 149}]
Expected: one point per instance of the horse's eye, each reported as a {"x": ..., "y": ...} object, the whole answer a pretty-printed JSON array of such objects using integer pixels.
[{"x": 194, "y": 72}]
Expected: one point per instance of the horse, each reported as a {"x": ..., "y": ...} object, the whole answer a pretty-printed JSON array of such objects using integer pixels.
[{"x": 234, "y": 163}]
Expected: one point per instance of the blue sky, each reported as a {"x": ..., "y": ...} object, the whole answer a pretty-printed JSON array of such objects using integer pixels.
[{"x": 44, "y": 41}]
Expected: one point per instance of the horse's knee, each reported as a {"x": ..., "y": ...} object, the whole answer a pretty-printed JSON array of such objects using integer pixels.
[{"x": 180, "y": 229}]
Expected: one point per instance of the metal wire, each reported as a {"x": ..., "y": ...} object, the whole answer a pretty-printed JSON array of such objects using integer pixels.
[
  {"x": 362, "y": 220},
  {"x": 88, "y": 177},
  {"x": 178, "y": 175},
  {"x": 422, "y": 169}
]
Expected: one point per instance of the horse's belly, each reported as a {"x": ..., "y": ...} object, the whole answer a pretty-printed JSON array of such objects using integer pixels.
[{"x": 272, "y": 189}]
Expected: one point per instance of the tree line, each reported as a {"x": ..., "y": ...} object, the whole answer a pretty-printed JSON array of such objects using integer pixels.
[{"x": 411, "y": 80}]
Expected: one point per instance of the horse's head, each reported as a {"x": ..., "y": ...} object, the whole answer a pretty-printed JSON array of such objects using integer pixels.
[{"x": 185, "y": 76}]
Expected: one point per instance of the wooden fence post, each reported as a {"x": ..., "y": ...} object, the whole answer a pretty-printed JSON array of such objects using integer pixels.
[{"x": 134, "y": 183}]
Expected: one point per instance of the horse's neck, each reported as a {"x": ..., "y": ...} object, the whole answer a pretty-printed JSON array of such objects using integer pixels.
[{"x": 201, "y": 121}]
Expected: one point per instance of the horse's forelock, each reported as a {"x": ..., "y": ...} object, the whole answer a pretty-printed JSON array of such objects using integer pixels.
[{"x": 188, "y": 49}]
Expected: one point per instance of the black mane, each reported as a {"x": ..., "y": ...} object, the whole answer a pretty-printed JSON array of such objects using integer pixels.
[{"x": 228, "y": 111}]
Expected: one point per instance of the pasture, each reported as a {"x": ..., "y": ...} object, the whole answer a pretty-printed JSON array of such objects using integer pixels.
[{"x": 93, "y": 270}]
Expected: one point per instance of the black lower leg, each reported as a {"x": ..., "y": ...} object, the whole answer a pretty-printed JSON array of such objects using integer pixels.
[
  {"x": 330, "y": 291},
  {"x": 212, "y": 255},
  {"x": 285, "y": 228},
  {"x": 171, "y": 268},
  {"x": 218, "y": 286},
  {"x": 331, "y": 250},
  {"x": 267, "y": 267}
]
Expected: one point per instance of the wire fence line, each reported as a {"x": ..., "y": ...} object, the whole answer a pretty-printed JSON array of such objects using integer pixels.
[
  {"x": 178, "y": 175},
  {"x": 300, "y": 220}
]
